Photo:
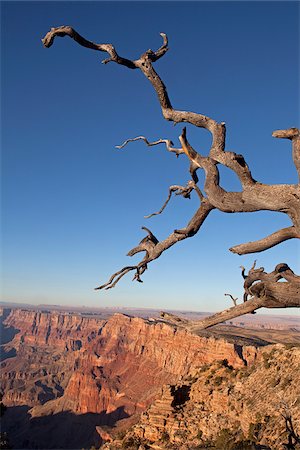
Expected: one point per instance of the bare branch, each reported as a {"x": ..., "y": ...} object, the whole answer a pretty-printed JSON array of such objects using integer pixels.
[
  {"x": 115, "y": 278},
  {"x": 263, "y": 288},
  {"x": 294, "y": 135},
  {"x": 228, "y": 314},
  {"x": 185, "y": 191},
  {"x": 293, "y": 436},
  {"x": 256, "y": 196},
  {"x": 154, "y": 250},
  {"x": 263, "y": 244},
  {"x": 243, "y": 272},
  {"x": 233, "y": 299},
  {"x": 108, "y": 48},
  {"x": 169, "y": 144},
  {"x": 144, "y": 63},
  {"x": 146, "y": 245},
  {"x": 150, "y": 238},
  {"x": 287, "y": 295},
  {"x": 172, "y": 318},
  {"x": 266, "y": 292},
  {"x": 163, "y": 49}
]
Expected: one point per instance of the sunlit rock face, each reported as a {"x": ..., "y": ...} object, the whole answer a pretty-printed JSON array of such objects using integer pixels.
[
  {"x": 91, "y": 365},
  {"x": 219, "y": 406},
  {"x": 111, "y": 368}
]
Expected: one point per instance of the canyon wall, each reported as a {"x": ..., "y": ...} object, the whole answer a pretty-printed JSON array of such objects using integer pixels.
[
  {"x": 98, "y": 365},
  {"x": 65, "y": 364},
  {"x": 225, "y": 408}
]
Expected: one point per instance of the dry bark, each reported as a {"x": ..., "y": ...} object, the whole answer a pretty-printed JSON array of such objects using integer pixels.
[{"x": 254, "y": 196}]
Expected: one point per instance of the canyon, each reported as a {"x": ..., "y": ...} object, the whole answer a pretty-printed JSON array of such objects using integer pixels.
[{"x": 73, "y": 380}]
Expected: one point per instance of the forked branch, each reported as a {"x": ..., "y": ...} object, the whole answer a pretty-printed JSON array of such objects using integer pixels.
[
  {"x": 263, "y": 244},
  {"x": 184, "y": 191},
  {"x": 154, "y": 248},
  {"x": 233, "y": 299},
  {"x": 262, "y": 288},
  {"x": 265, "y": 291},
  {"x": 169, "y": 144}
]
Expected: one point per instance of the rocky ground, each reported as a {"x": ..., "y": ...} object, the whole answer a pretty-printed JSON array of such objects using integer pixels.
[
  {"x": 76, "y": 382},
  {"x": 218, "y": 406}
]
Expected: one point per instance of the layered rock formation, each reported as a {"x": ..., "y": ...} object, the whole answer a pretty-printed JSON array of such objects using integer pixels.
[
  {"x": 113, "y": 368},
  {"x": 88, "y": 378},
  {"x": 225, "y": 408}
]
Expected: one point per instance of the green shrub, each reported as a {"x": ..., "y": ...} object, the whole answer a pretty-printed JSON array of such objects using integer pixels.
[
  {"x": 225, "y": 363},
  {"x": 266, "y": 357},
  {"x": 218, "y": 380},
  {"x": 274, "y": 382},
  {"x": 232, "y": 440},
  {"x": 165, "y": 436},
  {"x": 243, "y": 373},
  {"x": 121, "y": 434},
  {"x": 289, "y": 346},
  {"x": 225, "y": 440},
  {"x": 254, "y": 431},
  {"x": 199, "y": 434},
  {"x": 244, "y": 445},
  {"x": 204, "y": 368},
  {"x": 131, "y": 443}
]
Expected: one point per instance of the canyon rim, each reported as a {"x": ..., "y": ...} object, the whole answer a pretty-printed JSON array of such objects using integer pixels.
[
  {"x": 110, "y": 376},
  {"x": 72, "y": 380}
]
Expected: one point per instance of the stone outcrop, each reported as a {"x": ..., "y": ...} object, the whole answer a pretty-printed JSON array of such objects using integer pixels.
[
  {"x": 225, "y": 405},
  {"x": 106, "y": 373},
  {"x": 90, "y": 365}
]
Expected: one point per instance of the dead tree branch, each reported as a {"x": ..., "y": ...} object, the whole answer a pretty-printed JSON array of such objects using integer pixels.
[
  {"x": 185, "y": 191},
  {"x": 263, "y": 288},
  {"x": 290, "y": 431},
  {"x": 154, "y": 250},
  {"x": 233, "y": 299},
  {"x": 265, "y": 292},
  {"x": 168, "y": 142}
]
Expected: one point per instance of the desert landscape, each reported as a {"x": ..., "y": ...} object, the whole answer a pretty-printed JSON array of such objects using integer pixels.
[
  {"x": 167, "y": 132},
  {"x": 77, "y": 380}
]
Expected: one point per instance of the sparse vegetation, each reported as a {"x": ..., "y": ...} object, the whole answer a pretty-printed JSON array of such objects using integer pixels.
[
  {"x": 121, "y": 434},
  {"x": 199, "y": 434},
  {"x": 225, "y": 440},
  {"x": 254, "y": 431},
  {"x": 218, "y": 380},
  {"x": 131, "y": 443},
  {"x": 267, "y": 364},
  {"x": 289, "y": 346},
  {"x": 165, "y": 436},
  {"x": 225, "y": 363}
]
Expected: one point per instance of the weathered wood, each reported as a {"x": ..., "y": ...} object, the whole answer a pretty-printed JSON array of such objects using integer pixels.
[
  {"x": 268, "y": 293},
  {"x": 262, "y": 288}
]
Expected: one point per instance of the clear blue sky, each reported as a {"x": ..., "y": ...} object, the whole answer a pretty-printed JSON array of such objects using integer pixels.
[{"x": 73, "y": 205}]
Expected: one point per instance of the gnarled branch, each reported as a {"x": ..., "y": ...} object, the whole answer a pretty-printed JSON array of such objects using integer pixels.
[
  {"x": 292, "y": 134},
  {"x": 168, "y": 142},
  {"x": 154, "y": 251},
  {"x": 233, "y": 299},
  {"x": 185, "y": 191},
  {"x": 263, "y": 244},
  {"x": 267, "y": 293},
  {"x": 263, "y": 288}
]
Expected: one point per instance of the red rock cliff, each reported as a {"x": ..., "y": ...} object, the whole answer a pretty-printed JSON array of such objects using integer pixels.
[{"x": 72, "y": 363}]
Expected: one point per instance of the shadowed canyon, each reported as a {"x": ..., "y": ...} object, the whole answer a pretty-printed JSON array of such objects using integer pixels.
[{"x": 70, "y": 380}]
